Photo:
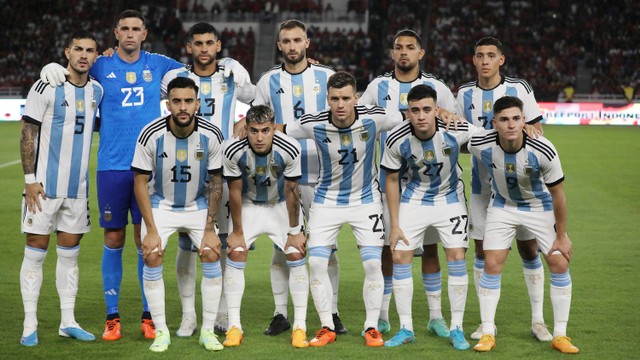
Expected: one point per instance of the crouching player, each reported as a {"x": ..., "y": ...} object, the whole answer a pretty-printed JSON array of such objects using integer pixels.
[
  {"x": 181, "y": 152},
  {"x": 262, "y": 171}
]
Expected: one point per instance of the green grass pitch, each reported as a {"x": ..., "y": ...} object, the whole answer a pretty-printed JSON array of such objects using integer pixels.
[{"x": 601, "y": 167}]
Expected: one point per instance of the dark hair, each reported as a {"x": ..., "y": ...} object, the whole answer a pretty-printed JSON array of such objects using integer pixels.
[
  {"x": 292, "y": 24},
  {"x": 131, "y": 14},
  {"x": 181, "y": 82},
  {"x": 487, "y": 41},
  {"x": 260, "y": 114},
  {"x": 202, "y": 28},
  {"x": 341, "y": 79},
  {"x": 507, "y": 102},
  {"x": 420, "y": 92},
  {"x": 81, "y": 34},
  {"x": 409, "y": 33}
]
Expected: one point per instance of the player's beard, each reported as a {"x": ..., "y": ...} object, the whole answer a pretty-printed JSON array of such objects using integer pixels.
[
  {"x": 180, "y": 124},
  {"x": 299, "y": 58},
  {"x": 406, "y": 68}
]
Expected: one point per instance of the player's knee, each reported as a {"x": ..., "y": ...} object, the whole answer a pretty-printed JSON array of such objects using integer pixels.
[
  {"x": 114, "y": 238},
  {"x": 240, "y": 256},
  {"x": 294, "y": 256},
  {"x": 209, "y": 256},
  {"x": 153, "y": 260}
]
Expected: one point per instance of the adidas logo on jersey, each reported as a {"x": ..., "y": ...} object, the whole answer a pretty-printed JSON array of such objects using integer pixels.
[
  {"x": 163, "y": 155},
  {"x": 388, "y": 98},
  {"x": 281, "y": 91},
  {"x": 111, "y": 76},
  {"x": 326, "y": 140},
  {"x": 65, "y": 103},
  {"x": 471, "y": 107}
]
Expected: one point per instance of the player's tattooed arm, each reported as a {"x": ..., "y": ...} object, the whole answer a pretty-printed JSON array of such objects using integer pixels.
[
  {"x": 33, "y": 191},
  {"x": 28, "y": 146},
  {"x": 215, "y": 195}
]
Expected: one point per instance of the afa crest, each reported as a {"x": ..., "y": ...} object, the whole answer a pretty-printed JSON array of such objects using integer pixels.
[
  {"x": 199, "y": 154},
  {"x": 528, "y": 170},
  {"x": 275, "y": 170},
  {"x": 181, "y": 155},
  {"x": 446, "y": 151},
  {"x": 205, "y": 88},
  {"x": 316, "y": 89},
  {"x": 93, "y": 105},
  {"x": 131, "y": 77},
  {"x": 510, "y": 168},
  {"x": 487, "y": 106},
  {"x": 297, "y": 90},
  {"x": 146, "y": 75},
  {"x": 80, "y": 105},
  {"x": 429, "y": 155},
  {"x": 345, "y": 139},
  {"x": 403, "y": 98},
  {"x": 364, "y": 135},
  {"x": 107, "y": 213},
  {"x": 224, "y": 88}
]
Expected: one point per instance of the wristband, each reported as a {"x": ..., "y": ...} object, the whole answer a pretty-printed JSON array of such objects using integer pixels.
[
  {"x": 295, "y": 230},
  {"x": 30, "y": 179}
]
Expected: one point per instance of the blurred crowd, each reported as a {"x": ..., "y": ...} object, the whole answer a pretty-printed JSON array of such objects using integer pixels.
[{"x": 549, "y": 43}]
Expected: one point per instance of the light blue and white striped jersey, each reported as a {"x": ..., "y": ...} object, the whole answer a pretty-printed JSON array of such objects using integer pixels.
[
  {"x": 348, "y": 173},
  {"x": 391, "y": 94},
  {"x": 263, "y": 176},
  {"x": 291, "y": 96},
  {"x": 131, "y": 101},
  {"x": 66, "y": 115},
  {"x": 519, "y": 180},
  {"x": 180, "y": 167},
  {"x": 432, "y": 165},
  {"x": 217, "y": 95},
  {"x": 477, "y": 106}
]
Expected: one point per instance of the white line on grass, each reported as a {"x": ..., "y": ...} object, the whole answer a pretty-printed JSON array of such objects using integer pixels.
[{"x": 14, "y": 162}]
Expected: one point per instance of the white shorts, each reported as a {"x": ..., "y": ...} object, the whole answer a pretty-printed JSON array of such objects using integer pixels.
[
  {"x": 431, "y": 236},
  {"x": 478, "y": 206},
  {"x": 325, "y": 222},
  {"x": 502, "y": 224},
  {"x": 168, "y": 222},
  {"x": 448, "y": 221},
  {"x": 58, "y": 214},
  {"x": 268, "y": 219}
]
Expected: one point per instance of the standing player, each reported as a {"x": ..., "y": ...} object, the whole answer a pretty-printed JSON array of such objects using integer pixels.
[
  {"x": 262, "y": 171},
  {"x": 433, "y": 197},
  {"x": 292, "y": 89},
  {"x": 526, "y": 193},
  {"x": 347, "y": 193},
  {"x": 54, "y": 146},
  {"x": 390, "y": 91},
  {"x": 218, "y": 95},
  {"x": 476, "y": 99},
  {"x": 131, "y": 80},
  {"x": 183, "y": 154}
]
